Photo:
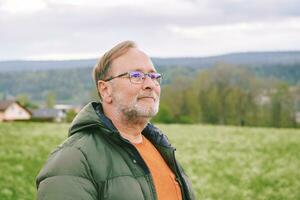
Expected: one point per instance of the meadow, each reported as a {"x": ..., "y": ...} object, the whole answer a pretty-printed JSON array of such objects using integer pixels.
[{"x": 223, "y": 162}]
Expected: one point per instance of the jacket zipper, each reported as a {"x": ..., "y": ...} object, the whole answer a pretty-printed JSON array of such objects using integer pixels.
[
  {"x": 149, "y": 177},
  {"x": 179, "y": 177}
]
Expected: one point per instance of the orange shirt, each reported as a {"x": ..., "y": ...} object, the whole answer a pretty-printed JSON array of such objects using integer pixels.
[{"x": 167, "y": 188}]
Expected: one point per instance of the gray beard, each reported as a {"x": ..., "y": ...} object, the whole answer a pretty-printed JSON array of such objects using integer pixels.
[{"x": 135, "y": 115}]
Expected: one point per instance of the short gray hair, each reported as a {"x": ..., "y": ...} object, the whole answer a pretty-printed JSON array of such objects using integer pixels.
[{"x": 103, "y": 65}]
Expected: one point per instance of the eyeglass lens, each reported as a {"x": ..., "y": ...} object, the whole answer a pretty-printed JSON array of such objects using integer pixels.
[{"x": 138, "y": 77}]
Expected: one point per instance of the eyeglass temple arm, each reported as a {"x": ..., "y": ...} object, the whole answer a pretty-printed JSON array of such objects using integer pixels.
[{"x": 112, "y": 77}]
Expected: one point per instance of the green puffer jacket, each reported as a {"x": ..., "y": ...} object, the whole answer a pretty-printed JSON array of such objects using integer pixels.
[{"x": 95, "y": 162}]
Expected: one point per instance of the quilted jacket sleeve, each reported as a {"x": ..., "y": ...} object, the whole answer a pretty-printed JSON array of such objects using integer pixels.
[{"x": 66, "y": 175}]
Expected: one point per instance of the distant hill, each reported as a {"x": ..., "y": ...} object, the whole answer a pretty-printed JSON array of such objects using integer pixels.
[
  {"x": 251, "y": 59},
  {"x": 24, "y": 65},
  {"x": 71, "y": 80}
]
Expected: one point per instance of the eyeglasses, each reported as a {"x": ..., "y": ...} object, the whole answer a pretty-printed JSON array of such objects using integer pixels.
[{"x": 138, "y": 77}]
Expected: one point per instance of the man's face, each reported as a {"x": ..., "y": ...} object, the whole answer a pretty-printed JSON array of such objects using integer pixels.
[{"x": 134, "y": 100}]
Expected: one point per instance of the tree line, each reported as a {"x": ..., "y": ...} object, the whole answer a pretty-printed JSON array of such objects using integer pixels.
[
  {"x": 229, "y": 95},
  {"x": 223, "y": 94}
]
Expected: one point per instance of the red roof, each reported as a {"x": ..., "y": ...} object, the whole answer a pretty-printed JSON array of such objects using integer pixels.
[{"x": 4, "y": 104}]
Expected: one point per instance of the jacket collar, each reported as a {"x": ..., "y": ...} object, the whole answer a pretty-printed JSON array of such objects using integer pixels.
[
  {"x": 103, "y": 119},
  {"x": 92, "y": 116}
]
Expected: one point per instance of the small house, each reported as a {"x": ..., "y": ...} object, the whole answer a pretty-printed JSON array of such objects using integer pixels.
[
  {"x": 48, "y": 114},
  {"x": 11, "y": 110}
]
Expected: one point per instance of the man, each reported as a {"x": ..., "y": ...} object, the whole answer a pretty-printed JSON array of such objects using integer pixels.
[{"x": 113, "y": 152}]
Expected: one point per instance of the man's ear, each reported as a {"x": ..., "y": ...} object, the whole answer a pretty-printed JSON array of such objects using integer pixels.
[{"x": 105, "y": 91}]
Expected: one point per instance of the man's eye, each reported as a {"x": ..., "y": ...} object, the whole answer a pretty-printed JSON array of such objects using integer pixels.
[
  {"x": 154, "y": 75},
  {"x": 136, "y": 74}
]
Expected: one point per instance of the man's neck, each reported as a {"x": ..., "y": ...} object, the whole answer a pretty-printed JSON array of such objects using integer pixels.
[{"x": 130, "y": 129}]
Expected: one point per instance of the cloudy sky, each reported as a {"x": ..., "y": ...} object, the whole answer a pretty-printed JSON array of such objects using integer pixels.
[{"x": 74, "y": 29}]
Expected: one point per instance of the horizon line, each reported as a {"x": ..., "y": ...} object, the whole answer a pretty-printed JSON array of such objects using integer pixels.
[{"x": 152, "y": 57}]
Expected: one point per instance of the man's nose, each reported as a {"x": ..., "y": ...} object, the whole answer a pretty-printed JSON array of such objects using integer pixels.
[{"x": 148, "y": 83}]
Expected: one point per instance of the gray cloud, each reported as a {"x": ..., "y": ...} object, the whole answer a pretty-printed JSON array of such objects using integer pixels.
[{"x": 65, "y": 29}]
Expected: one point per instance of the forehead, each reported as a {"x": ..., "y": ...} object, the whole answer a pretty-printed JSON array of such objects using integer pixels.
[{"x": 133, "y": 59}]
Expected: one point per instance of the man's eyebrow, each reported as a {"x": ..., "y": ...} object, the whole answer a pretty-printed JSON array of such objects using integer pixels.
[{"x": 151, "y": 71}]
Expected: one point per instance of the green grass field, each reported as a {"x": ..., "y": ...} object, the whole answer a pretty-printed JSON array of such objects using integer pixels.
[{"x": 228, "y": 163}]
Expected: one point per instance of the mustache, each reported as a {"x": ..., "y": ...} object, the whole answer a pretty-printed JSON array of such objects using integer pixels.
[{"x": 148, "y": 95}]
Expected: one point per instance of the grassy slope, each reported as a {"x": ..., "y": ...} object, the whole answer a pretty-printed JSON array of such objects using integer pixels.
[{"x": 223, "y": 162}]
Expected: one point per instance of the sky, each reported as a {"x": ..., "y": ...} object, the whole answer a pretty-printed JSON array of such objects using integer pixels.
[{"x": 79, "y": 29}]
